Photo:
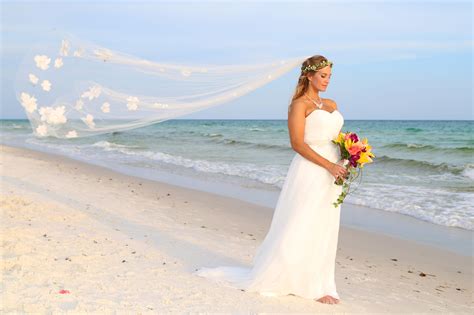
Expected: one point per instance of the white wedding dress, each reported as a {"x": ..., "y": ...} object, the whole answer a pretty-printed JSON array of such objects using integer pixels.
[{"x": 298, "y": 254}]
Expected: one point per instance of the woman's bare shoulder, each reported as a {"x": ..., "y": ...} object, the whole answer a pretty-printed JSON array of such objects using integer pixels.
[
  {"x": 299, "y": 103},
  {"x": 330, "y": 102}
]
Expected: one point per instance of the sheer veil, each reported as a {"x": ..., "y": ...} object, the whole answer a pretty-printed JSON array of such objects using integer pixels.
[{"x": 73, "y": 88}]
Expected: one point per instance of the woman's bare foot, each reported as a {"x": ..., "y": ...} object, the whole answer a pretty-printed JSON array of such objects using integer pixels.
[{"x": 328, "y": 300}]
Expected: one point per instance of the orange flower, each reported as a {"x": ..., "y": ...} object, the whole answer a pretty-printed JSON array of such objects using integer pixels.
[{"x": 355, "y": 148}]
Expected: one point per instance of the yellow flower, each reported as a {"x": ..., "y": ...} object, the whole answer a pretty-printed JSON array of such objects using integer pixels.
[
  {"x": 348, "y": 144},
  {"x": 365, "y": 157},
  {"x": 367, "y": 146},
  {"x": 340, "y": 137}
]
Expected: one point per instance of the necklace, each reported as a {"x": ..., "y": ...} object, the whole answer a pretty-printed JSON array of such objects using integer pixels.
[{"x": 319, "y": 105}]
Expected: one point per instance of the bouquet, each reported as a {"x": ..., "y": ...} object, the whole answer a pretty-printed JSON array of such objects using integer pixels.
[{"x": 354, "y": 154}]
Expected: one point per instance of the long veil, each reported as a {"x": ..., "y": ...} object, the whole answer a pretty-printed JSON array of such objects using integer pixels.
[{"x": 73, "y": 88}]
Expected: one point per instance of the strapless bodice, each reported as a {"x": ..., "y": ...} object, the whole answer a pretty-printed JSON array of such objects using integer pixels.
[{"x": 322, "y": 126}]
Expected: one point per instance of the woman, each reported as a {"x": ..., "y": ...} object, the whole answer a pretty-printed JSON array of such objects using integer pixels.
[{"x": 298, "y": 253}]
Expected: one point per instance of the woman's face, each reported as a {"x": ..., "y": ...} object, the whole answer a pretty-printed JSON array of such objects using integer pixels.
[{"x": 320, "y": 79}]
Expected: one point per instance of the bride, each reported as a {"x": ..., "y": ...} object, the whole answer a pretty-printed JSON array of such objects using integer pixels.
[{"x": 297, "y": 256}]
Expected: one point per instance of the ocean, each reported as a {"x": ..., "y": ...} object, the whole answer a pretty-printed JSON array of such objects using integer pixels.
[{"x": 423, "y": 169}]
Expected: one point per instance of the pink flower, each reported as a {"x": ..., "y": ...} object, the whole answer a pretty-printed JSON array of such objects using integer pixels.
[
  {"x": 356, "y": 148},
  {"x": 353, "y": 160},
  {"x": 64, "y": 291},
  {"x": 354, "y": 137}
]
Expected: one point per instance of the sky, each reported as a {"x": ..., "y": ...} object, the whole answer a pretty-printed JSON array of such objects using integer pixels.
[{"x": 393, "y": 60}]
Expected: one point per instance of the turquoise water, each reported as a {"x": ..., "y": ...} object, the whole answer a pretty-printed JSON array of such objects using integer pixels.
[{"x": 423, "y": 169}]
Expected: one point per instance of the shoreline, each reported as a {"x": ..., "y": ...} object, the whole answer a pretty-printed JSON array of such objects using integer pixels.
[
  {"x": 394, "y": 224},
  {"x": 174, "y": 230}
]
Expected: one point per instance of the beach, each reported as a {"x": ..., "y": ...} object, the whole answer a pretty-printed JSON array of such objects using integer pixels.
[{"x": 78, "y": 237}]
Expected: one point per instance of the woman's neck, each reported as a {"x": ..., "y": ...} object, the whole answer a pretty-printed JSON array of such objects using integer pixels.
[{"x": 313, "y": 94}]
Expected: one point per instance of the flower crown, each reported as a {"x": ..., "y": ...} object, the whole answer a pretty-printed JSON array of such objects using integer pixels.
[{"x": 318, "y": 66}]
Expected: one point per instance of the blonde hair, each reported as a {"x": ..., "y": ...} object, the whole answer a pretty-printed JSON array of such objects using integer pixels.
[{"x": 303, "y": 80}]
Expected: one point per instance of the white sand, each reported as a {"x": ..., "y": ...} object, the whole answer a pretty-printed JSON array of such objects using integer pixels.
[{"x": 121, "y": 243}]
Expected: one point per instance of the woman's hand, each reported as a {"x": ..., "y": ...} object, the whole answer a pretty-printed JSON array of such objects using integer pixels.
[{"x": 337, "y": 170}]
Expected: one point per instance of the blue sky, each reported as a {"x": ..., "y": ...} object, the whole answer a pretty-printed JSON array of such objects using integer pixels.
[{"x": 392, "y": 59}]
